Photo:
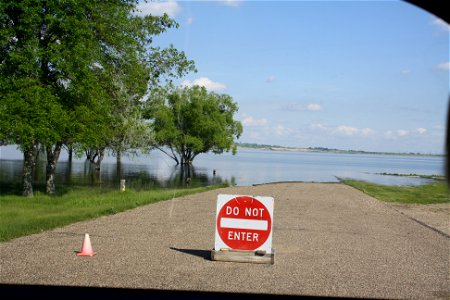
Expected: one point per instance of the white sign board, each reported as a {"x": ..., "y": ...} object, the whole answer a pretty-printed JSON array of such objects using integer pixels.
[{"x": 244, "y": 223}]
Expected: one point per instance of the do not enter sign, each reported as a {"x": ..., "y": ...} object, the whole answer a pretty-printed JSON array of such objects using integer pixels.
[{"x": 244, "y": 222}]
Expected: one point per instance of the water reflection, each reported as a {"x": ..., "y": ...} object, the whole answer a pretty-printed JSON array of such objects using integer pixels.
[
  {"x": 246, "y": 168},
  {"x": 136, "y": 176},
  {"x": 177, "y": 176}
]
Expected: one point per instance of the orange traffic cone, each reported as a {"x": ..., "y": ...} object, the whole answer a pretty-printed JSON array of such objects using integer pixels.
[{"x": 86, "y": 249}]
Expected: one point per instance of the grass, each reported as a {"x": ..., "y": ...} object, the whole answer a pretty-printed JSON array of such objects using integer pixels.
[
  {"x": 20, "y": 216},
  {"x": 435, "y": 177},
  {"x": 431, "y": 193}
]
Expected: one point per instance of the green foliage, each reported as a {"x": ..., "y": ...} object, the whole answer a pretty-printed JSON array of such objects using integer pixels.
[
  {"x": 435, "y": 192},
  {"x": 74, "y": 71},
  {"x": 19, "y": 216},
  {"x": 190, "y": 121},
  {"x": 29, "y": 112}
]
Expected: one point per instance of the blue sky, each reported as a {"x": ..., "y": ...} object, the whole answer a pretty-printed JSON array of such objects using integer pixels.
[{"x": 365, "y": 75}]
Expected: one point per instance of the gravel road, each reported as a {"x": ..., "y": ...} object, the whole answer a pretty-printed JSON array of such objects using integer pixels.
[{"x": 329, "y": 240}]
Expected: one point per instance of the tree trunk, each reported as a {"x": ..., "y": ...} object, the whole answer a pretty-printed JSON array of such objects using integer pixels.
[
  {"x": 187, "y": 157},
  {"x": 70, "y": 153},
  {"x": 119, "y": 171},
  {"x": 69, "y": 172},
  {"x": 186, "y": 174},
  {"x": 101, "y": 155},
  {"x": 119, "y": 157},
  {"x": 52, "y": 160},
  {"x": 88, "y": 154},
  {"x": 95, "y": 156},
  {"x": 29, "y": 161}
]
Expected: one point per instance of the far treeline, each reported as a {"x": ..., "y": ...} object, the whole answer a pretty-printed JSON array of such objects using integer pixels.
[{"x": 86, "y": 75}]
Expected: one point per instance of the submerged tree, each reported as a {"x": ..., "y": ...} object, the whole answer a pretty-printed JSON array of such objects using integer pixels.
[
  {"x": 72, "y": 71},
  {"x": 190, "y": 121}
]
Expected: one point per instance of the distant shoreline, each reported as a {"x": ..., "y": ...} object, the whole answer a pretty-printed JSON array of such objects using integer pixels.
[
  {"x": 327, "y": 150},
  {"x": 298, "y": 149}
]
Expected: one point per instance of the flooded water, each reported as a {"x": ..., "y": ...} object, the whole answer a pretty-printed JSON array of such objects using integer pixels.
[{"x": 247, "y": 167}]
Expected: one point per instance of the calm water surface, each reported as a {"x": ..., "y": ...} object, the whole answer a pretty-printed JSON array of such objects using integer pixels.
[{"x": 248, "y": 167}]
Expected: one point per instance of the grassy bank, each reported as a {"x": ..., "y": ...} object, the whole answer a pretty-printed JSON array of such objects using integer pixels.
[
  {"x": 435, "y": 192},
  {"x": 21, "y": 216},
  {"x": 412, "y": 175}
]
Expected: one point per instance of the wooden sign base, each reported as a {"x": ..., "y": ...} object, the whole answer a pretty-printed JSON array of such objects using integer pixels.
[{"x": 243, "y": 256}]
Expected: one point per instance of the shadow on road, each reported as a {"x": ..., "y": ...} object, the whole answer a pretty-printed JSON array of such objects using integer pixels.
[{"x": 205, "y": 254}]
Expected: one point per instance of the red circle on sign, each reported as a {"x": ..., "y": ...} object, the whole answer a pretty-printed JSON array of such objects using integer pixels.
[{"x": 244, "y": 223}]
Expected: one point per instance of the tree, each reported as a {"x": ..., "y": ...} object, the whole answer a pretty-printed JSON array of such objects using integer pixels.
[
  {"x": 189, "y": 121},
  {"x": 67, "y": 68}
]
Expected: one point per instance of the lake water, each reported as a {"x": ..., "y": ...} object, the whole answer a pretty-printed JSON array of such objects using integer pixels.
[{"x": 247, "y": 167}]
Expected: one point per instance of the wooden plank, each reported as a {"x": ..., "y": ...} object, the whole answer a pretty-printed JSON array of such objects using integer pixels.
[{"x": 255, "y": 257}]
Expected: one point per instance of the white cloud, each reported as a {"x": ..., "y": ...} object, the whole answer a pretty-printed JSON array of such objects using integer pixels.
[
  {"x": 280, "y": 130},
  {"x": 441, "y": 24},
  {"x": 421, "y": 130},
  {"x": 318, "y": 126},
  {"x": 343, "y": 130},
  {"x": 205, "y": 82},
  {"x": 393, "y": 135},
  {"x": 250, "y": 121},
  {"x": 189, "y": 21},
  {"x": 271, "y": 78},
  {"x": 402, "y": 132},
  {"x": 444, "y": 66},
  {"x": 313, "y": 107},
  {"x": 347, "y": 130},
  {"x": 158, "y": 8},
  {"x": 366, "y": 132},
  {"x": 232, "y": 3}
]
